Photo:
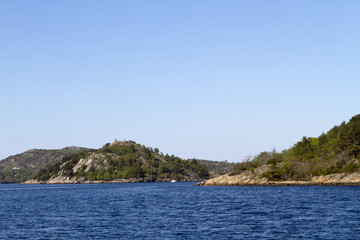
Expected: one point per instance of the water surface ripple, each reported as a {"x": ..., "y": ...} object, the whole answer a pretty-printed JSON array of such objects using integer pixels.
[{"x": 178, "y": 211}]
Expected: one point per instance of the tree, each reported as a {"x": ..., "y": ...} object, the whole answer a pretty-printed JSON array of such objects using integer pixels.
[
  {"x": 349, "y": 136},
  {"x": 107, "y": 176}
]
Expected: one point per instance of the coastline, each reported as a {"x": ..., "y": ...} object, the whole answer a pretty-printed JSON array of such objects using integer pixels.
[
  {"x": 281, "y": 183},
  {"x": 249, "y": 179},
  {"x": 80, "y": 181}
]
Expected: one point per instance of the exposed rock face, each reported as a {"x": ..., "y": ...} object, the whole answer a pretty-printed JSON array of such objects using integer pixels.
[
  {"x": 338, "y": 178},
  {"x": 253, "y": 178},
  {"x": 97, "y": 161}
]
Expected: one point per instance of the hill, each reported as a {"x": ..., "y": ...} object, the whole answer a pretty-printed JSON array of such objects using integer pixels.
[
  {"x": 121, "y": 161},
  {"x": 22, "y": 167},
  {"x": 333, "y": 157}
]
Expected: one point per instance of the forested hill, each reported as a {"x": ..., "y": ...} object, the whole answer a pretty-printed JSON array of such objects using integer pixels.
[
  {"x": 336, "y": 151},
  {"x": 23, "y": 166},
  {"x": 119, "y": 161}
]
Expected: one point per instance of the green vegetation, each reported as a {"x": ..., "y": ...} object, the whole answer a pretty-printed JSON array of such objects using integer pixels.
[
  {"x": 16, "y": 175},
  {"x": 124, "y": 160},
  {"x": 337, "y": 151},
  {"x": 24, "y": 166}
]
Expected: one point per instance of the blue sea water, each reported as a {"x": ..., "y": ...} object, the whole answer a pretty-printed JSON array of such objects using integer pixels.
[{"x": 178, "y": 211}]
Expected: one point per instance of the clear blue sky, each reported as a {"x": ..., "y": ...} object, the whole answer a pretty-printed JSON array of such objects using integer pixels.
[{"x": 217, "y": 80}]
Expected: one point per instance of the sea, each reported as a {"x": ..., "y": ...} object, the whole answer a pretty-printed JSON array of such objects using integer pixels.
[{"x": 178, "y": 211}]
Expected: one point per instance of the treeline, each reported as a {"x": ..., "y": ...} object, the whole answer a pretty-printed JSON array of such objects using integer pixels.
[
  {"x": 124, "y": 161},
  {"x": 16, "y": 175},
  {"x": 336, "y": 151}
]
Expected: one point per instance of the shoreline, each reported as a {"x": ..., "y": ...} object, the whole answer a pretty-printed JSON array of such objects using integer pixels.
[
  {"x": 250, "y": 179},
  {"x": 100, "y": 181},
  {"x": 201, "y": 184},
  {"x": 279, "y": 184}
]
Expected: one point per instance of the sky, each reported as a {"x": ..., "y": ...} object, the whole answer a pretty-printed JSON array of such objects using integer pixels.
[{"x": 217, "y": 80}]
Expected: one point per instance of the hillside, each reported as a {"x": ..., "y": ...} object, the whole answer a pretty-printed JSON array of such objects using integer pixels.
[
  {"x": 121, "y": 161},
  {"x": 21, "y": 167},
  {"x": 333, "y": 157}
]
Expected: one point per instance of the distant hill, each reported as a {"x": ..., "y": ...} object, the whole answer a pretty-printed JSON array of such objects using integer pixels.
[
  {"x": 331, "y": 158},
  {"x": 216, "y": 168},
  {"x": 121, "y": 161},
  {"x": 22, "y": 167}
]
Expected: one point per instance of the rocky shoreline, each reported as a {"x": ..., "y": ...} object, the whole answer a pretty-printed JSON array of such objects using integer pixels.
[
  {"x": 250, "y": 179},
  {"x": 67, "y": 180}
]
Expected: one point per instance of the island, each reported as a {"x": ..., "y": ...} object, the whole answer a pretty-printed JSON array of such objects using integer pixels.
[{"x": 120, "y": 162}]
